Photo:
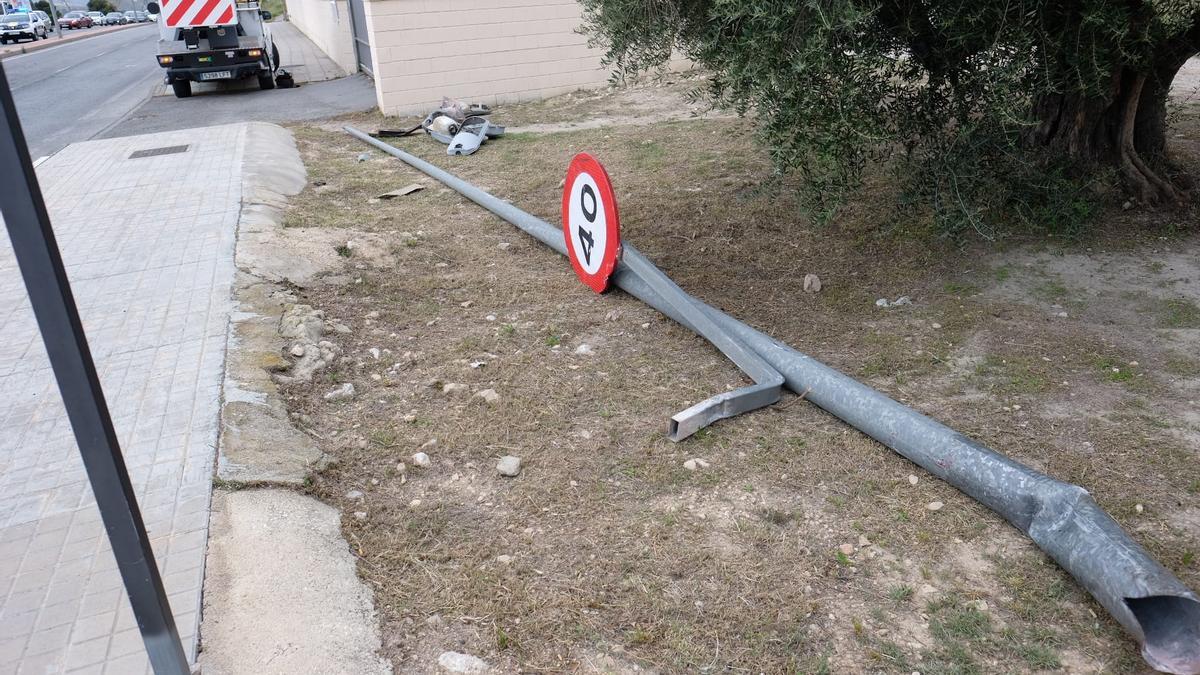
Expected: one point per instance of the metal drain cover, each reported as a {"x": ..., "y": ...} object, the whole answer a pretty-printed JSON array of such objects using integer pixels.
[{"x": 155, "y": 152}]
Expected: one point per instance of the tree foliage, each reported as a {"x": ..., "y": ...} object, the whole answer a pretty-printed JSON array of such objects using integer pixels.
[
  {"x": 988, "y": 106},
  {"x": 101, "y": 6}
]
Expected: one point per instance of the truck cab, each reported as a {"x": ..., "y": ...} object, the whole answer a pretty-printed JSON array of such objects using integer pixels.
[{"x": 207, "y": 40}]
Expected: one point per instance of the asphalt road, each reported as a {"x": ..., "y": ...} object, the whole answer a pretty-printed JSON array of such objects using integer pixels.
[{"x": 78, "y": 90}]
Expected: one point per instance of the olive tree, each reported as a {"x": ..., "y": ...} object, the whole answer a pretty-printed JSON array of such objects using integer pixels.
[{"x": 967, "y": 94}]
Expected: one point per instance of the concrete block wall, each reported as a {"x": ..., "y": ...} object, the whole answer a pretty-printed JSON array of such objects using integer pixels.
[
  {"x": 327, "y": 24},
  {"x": 488, "y": 51}
]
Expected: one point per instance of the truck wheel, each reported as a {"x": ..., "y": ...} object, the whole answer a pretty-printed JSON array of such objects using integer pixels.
[
  {"x": 266, "y": 80},
  {"x": 182, "y": 88}
]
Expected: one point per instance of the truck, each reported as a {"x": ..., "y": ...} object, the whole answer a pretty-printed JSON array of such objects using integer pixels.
[{"x": 214, "y": 40}]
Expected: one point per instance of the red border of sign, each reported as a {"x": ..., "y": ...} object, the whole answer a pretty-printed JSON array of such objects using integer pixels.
[{"x": 585, "y": 163}]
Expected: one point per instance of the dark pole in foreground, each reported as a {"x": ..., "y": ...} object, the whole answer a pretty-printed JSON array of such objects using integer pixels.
[{"x": 58, "y": 320}]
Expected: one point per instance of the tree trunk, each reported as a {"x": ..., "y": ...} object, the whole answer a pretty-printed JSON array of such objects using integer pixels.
[{"x": 1125, "y": 129}]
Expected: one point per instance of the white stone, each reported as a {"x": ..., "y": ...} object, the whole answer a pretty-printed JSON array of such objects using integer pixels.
[
  {"x": 504, "y": 559},
  {"x": 585, "y": 350},
  {"x": 913, "y": 480},
  {"x": 354, "y": 494},
  {"x": 934, "y": 506},
  {"x": 421, "y": 459},
  {"x": 453, "y": 389},
  {"x": 488, "y": 395},
  {"x": 374, "y": 352},
  {"x": 298, "y": 350},
  {"x": 509, "y": 465},
  {"x": 812, "y": 283},
  {"x": 465, "y": 664},
  {"x": 342, "y": 393}
]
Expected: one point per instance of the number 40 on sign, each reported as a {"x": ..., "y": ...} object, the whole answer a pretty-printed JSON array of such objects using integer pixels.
[{"x": 591, "y": 226}]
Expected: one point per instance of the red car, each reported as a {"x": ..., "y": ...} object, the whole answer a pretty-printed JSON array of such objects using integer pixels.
[{"x": 75, "y": 20}]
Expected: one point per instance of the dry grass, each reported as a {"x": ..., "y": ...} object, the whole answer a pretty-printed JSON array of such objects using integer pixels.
[{"x": 619, "y": 555}]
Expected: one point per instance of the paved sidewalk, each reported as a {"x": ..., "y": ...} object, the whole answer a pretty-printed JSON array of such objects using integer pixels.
[
  {"x": 148, "y": 244},
  {"x": 301, "y": 57}
]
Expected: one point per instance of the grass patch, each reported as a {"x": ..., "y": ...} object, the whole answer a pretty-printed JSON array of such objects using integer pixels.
[
  {"x": 1013, "y": 374},
  {"x": 1178, "y": 313},
  {"x": 901, "y": 593},
  {"x": 1115, "y": 371},
  {"x": 1051, "y": 291}
]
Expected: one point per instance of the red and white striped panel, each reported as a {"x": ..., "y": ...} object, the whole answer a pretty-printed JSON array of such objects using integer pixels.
[{"x": 197, "y": 13}]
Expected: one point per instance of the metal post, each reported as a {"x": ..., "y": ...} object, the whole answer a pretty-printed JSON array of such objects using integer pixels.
[
  {"x": 54, "y": 20},
  {"x": 62, "y": 332},
  {"x": 1153, "y": 605}
]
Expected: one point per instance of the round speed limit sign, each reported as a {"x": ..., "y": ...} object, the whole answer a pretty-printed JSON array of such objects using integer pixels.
[{"x": 590, "y": 223}]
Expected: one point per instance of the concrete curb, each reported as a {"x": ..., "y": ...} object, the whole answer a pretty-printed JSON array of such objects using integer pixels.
[
  {"x": 258, "y": 443},
  {"x": 31, "y": 47},
  {"x": 281, "y": 590}
]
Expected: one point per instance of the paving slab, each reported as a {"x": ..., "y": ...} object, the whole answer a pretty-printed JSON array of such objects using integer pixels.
[{"x": 149, "y": 248}]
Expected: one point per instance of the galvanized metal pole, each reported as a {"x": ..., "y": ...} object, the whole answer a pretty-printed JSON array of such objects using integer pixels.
[
  {"x": 1155, "y": 607},
  {"x": 41, "y": 266}
]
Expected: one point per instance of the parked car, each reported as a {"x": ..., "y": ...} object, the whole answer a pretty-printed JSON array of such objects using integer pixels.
[
  {"x": 45, "y": 19},
  {"x": 131, "y": 16},
  {"x": 115, "y": 19},
  {"x": 73, "y": 20},
  {"x": 22, "y": 26},
  {"x": 97, "y": 18}
]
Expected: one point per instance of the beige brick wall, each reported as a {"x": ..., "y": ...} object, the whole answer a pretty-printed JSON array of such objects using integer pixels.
[
  {"x": 327, "y": 24},
  {"x": 489, "y": 51}
]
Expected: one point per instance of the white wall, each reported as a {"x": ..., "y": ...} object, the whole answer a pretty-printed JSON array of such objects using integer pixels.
[
  {"x": 327, "y": 24},
  {"x": 488, "y": 51}
]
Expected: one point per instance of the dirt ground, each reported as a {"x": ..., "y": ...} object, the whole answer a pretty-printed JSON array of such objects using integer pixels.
[{"x": 802, "y": 546}]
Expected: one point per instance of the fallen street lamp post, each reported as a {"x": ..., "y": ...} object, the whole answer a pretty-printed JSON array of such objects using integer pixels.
[
  {"x": 1154, "y": 606},
  {"x": 41, "y": 265}
]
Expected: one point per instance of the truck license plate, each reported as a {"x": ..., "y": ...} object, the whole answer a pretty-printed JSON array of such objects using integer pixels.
[{"x": 217, "y": 75}]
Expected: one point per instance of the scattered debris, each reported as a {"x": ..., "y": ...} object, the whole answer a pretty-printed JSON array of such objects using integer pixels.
[
  {"x": 374, "y": 352},
  {"x": 429, "y": 444},
  {"x": 898, "y": 302},
  {"x": 406, "y": 190},
  {"x": 509, "y": 465},
  {"x": 354, "y": 494},
  {"x": 362, "y": 157},
  {"x": 360, "y": 515},
  {"x": 503, "y": 246},
  {"x": 934, "y": 506},
  {"x": 584, "y": 350},
  {"x": 812, "y": 283},
  {"x": 504, "y": 559},
  {"x": 695, "y": 463},
  {"x": 342, "y": 393}
]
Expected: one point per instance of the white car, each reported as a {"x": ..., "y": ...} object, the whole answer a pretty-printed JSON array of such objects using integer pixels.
[
  {"x": 97, "y": 18},
  {"x": 22, "y": 26}
]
